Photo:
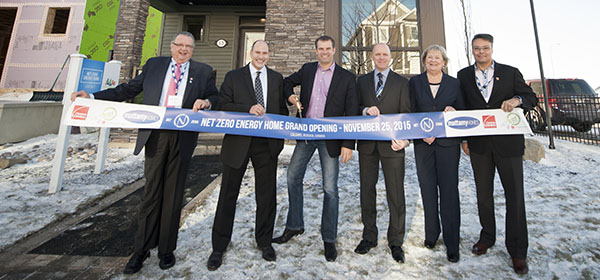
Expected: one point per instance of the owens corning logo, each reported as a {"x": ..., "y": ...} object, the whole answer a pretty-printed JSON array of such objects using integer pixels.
[
  {"x": 463, "y": 123},
  {"x": 141, "y": 116},
  {"x": 80, "y": 112},
  {"x": 489, "y": 121}
]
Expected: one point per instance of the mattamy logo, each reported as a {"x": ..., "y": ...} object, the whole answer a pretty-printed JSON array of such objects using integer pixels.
[
  {"x": 463, "y": 123},
  {"x": 141, "y": 116}
]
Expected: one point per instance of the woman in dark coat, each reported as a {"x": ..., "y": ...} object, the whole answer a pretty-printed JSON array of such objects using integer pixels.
[{"x": 437, "y": 158}]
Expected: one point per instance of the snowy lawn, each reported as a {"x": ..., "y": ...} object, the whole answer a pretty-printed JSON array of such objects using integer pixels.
[
  {"x": 562, "y": 201},
  {"x": 26, "y": 206}
]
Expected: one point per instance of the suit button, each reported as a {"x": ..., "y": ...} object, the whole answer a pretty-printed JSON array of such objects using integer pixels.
[{"x": 487, "y": 106}]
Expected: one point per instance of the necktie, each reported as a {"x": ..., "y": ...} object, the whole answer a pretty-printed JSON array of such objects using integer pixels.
[
  {"x": 174, "y": 83},
  {"x": 258, "y": 90},
  {"x": 379, "y": 86}
]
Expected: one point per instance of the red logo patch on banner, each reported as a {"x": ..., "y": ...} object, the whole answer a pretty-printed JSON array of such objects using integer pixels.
[
  {"x": 489, "y": 121},
  {"x": 80, "y": 112}
]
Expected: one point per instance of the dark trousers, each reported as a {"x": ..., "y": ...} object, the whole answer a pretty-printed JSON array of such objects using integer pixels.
[
  {"x": 437, "y": 169},
  {"x": 165, "y": 171},
  {"x": 393, "y": 172},
  {"x": 265, "y": 173},
  {"x": 510, "y": 170}
]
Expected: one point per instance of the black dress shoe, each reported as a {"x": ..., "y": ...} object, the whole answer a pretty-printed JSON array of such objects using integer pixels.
[
  {"x": 287, "y": 235},
  {"x": 364, "y": 246},
  {"x": 453, "y": 257},
  {"x": 397, "y": 253},
  {"x": 136, "y": 262},
  {"x": 167, "y": 260},
  {"x": 479, "y": 248},
  {"x": 330, "y": 252},
  {"x": 268, "y": 253},
  {"x": 520, "y": 266},
  {"x": 429, "y": 244},
  {"x": 214, "y": 261}
]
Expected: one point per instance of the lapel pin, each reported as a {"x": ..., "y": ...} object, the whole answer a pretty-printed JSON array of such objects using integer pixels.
[
  {"x": 191, "y": 79},
  {"x": 497, "y": 78}
]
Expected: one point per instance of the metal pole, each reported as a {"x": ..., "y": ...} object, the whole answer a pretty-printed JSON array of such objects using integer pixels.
[{"x": 537, "y": 44}]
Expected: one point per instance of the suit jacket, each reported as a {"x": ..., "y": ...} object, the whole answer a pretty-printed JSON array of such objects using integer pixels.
[
  {"x": 508, "y": 83},
  {"x": 449, "y": 94},
  {"x": 237, "y": 95},
  {"x": 394, "y": 99},
  {"x": 342, "y": 99},
  {"x": 200, "y": 85}
]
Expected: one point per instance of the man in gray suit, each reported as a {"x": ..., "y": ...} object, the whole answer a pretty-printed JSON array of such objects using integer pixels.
[{"x": 382, "y": 92}]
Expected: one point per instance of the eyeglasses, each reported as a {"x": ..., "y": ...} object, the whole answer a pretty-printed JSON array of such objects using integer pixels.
[
  {"x": 182, "y": 45},
  {"x": 484, "y": 49}
]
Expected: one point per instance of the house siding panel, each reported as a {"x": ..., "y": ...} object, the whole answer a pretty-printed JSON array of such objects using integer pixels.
[{"x": 219, "y": 27}]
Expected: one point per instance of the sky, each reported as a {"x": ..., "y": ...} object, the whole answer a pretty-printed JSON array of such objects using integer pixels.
[{"x": 568, "y": 32}]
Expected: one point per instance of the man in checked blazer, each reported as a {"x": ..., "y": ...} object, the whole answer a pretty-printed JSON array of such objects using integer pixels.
[
  {"x": 254, "y": 89},
  {"x": 491, "y": 85},
  {"x": 175, "y": 81},
  {"x": 382, "y": 91}
]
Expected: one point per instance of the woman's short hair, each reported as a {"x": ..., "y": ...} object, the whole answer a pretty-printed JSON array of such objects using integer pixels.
[{"x": 435, "y": 48}]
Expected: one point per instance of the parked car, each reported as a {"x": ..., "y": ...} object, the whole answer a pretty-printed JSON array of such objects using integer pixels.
[{"x": 572, "y": 102}]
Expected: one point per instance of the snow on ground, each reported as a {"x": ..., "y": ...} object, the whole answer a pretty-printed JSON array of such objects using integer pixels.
[
  {"x": 562, "y": 200},
  {"x": 26, "y": 206}
]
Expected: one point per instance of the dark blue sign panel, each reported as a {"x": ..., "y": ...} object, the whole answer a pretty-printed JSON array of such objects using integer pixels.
[{"x": 90, "y": 78}]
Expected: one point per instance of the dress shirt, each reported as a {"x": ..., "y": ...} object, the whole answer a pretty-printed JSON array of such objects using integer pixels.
[
  {"x": 169, "y": 76},
  {"x": 263, "y": 80},
  {"x": 318, "y": 97},
  {"x": 490, "y": 78}
]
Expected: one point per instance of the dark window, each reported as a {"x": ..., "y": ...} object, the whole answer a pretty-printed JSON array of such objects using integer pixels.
[
  {"x": 56, "y": 21},
  {"x": 571, "y": 87},
  {"x": 195, "y": 25}
]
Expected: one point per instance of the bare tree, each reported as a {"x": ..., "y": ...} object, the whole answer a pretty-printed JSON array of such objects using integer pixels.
[{"x": 466, "y": 11}]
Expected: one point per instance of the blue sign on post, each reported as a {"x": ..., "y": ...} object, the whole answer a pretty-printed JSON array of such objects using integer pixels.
[{"x": 90, "y": 78}]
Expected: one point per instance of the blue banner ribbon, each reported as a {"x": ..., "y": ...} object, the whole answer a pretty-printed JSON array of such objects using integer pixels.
[{"x": 384, "y": 127}]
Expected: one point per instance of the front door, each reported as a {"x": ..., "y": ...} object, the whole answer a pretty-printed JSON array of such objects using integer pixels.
[{"x": 247, "y": 37}]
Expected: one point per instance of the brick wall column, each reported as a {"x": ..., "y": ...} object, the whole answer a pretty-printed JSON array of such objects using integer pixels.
[
  {"x": 291, "y": 35},
  {"x": 129, "y": 35}
]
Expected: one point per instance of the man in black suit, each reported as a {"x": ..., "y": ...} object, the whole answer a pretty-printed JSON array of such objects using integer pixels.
[
  {"x": 327, "y": 90},
  {"x": 382, "y": 91},
  {"x": 251, "y": 89},
  {"x": 491, "y": 85},
  {"x": 175, "y": 81}
]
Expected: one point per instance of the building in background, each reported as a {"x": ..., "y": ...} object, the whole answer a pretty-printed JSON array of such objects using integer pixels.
[
  {"x": 368, "y": 22},
  {"x": 36, "y": 37}
]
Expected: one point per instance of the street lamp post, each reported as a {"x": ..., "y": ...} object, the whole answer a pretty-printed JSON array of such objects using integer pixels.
[{"x": 547, "y": 107}]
